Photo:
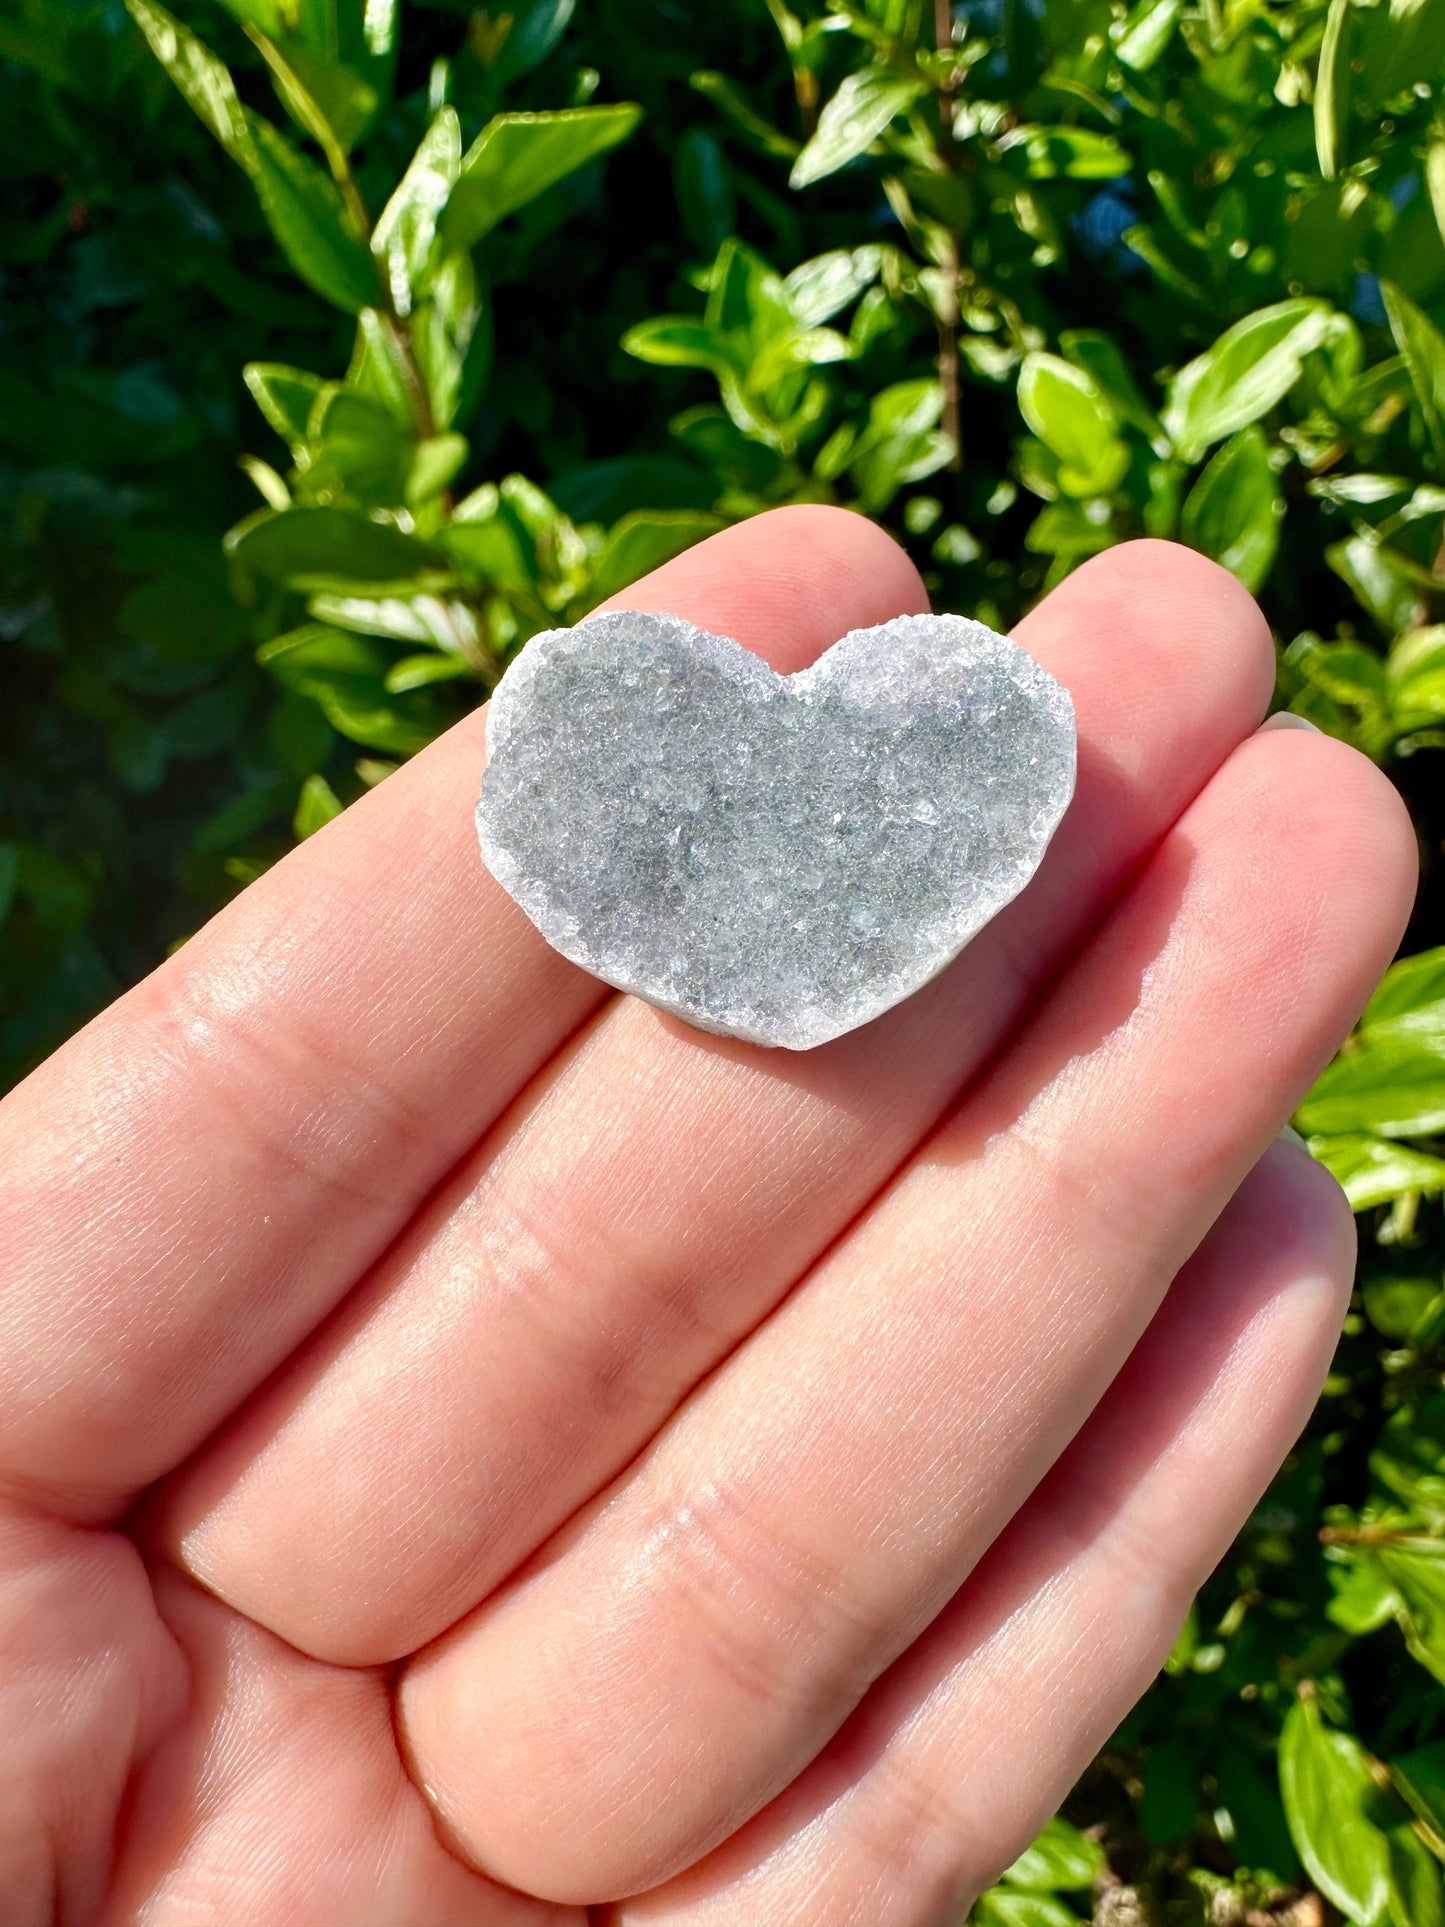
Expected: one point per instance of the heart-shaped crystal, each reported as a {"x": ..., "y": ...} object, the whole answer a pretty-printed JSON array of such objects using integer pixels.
[{"x": 778, "y": 858}]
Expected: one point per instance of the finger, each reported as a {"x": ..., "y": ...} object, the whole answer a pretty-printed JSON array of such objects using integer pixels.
[
  {"x": 815, "y": 1505},
  {"x": 279, "y": 1796},
  {"x": 957, "y": 1757},
  {"x": 637, "y": 1215},
  {"x": 197, "y": 1178},
  {"x": 90, "y": 1682}
]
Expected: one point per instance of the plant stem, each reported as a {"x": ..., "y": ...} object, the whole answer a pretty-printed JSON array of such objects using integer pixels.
[
  {"x": 416, "y": 394},
  {"x": 952, "y": 419}
]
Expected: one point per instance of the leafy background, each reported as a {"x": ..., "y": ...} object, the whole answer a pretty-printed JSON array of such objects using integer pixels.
[{"x": 526, "y": 301}]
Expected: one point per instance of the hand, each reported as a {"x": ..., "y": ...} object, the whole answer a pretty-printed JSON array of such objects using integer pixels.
[{"x": 473, "y": 1449}]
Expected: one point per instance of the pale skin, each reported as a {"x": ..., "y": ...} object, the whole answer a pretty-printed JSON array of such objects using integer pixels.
[{"x": 477, "y": 1453}]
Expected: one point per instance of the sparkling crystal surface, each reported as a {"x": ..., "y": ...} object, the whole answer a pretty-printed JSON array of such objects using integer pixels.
[{"x": 779, "y": 858}]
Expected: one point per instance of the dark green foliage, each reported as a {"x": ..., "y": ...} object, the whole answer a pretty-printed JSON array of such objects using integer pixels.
[{"x": 526, "y": 301}]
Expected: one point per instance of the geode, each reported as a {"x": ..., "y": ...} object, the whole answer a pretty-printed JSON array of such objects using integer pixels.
[{"x": 778, "y": 858}]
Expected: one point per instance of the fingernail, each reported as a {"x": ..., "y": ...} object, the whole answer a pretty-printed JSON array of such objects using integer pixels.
[{"x": 1287, "y": 719}]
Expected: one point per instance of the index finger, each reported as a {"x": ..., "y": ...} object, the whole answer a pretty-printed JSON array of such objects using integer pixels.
[{"x": 202, "y": 1173}]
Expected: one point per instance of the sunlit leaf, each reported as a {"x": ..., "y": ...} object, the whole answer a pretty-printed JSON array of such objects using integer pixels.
[
  {"x": 204, "y": 80},
  {"x": 1234, "y": 510},
  {"x": 326, "y": 100},
  {"x": 1423, "y": 347},
  {"x": 1417, "y": 1573},
  {"x": 404, "y": 232},
  {"x": 1070, "y": 414},
  {"x": 1252, "y": 366},
  {"x": 317, "y": 805},
  {"x": 1332, "y": 89},
  {"x": 1146, "y": 32},
  {"x": 643, "y": 541},
  {"x": 305, "y": 211},
  {"x": 1061, "y": 1860},
  {"x": 285, "y": 396},
  {"x": 1335, "y": 1811},
  {"x": 1079, "y": 153},
  {"x": 1375, "y": 1170},
  {"x": 865, "y": 104},
  {"x": 516, "y": 157},
  {"x": 308, "y": 547}
]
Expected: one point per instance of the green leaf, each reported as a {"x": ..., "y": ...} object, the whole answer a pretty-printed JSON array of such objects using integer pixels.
[
  {"x": 451, "y": 336},
  {"x": 268, "y": 15},
  {"x": 319, "y": 547},
  {"x": 1364, "y": 1600},
  {"x": 516, "y": 157},
  {"x": 317, "y": 805},
  {"x": 1070, "y": 414},
  {"x": 782, "y": 354},
  {"x": 1415, "y": 674},
  {"x": 1413, "y": 986},
  {"x": 301, "y": 740},
  {"x": 1384, "y": 582},
  {"x": 1101, "y": 358},
  {"x": 1077, "y": 153},
  {"x": 1333, "y": 1807},
  {"x": 537, "y": 26},
  {"x": 1397, "y": 1306},
  {"x": 677, "y": 341},
  {"x": 864, "y": 105},
  {"x": 1252, "y": 366},
  {"x": 305, "y": 211},
  {"x": 824, "y": 286},
  {"x": 1408, "y": 1459},
  {"x": 1400, "y": 41},
  {"x": 1389, "y": 1081},
  {"x": 403, "y": 236},
  {"x": 1332, "y": 89},
  {"x": 1422, "y": 347},
  {"x": 421, "y": 671},
  {"x": 643, "y": 541},
  {"x": 1435, "y": 181},
  {"x": 1146, "y": 32},
  {"x": 403, "y": 618},
  {"x": 746, "y": 296},
  {"x": 378, "y": 373},
  {"x": 204, "y": 80},
  {"x": 1417, "y": 1573},
  {"x": 359, "y": 449},
  {"x": 1234, "y": 510},
  {"x": 900, "y": 442},
  {"x": 1373, "y": 1171},
  {"x": 326, "y": 100},
  {"x": 702, "y": 184},
  {"x": 1005, "y": 1907},
  {"x": 344, "y": 674},
  {"x": 1061, "y": 1860},
  {"x": 724, "y": 95},
  {"x": 1417, "y": 1894},
  {"x": 1069, "y": 531},
  {"x": 435, "y": 464},
  {"x": 1420, "y": 1776}
]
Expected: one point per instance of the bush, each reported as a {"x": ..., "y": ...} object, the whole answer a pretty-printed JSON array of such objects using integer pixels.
[{"x": 526, "y": 304}]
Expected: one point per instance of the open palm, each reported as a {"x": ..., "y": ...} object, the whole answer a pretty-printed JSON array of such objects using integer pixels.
[{"x": 473, "y": 1450}]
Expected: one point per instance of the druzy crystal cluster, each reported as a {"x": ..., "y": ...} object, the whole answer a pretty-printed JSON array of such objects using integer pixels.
[{"x": 779, "y": 858}]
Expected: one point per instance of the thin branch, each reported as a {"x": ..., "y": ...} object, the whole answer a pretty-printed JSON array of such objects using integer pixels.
[{"x": 948, "y": 369}]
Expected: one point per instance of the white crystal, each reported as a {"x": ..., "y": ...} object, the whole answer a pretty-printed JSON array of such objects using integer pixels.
[{"x": 779, "y": 858}]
